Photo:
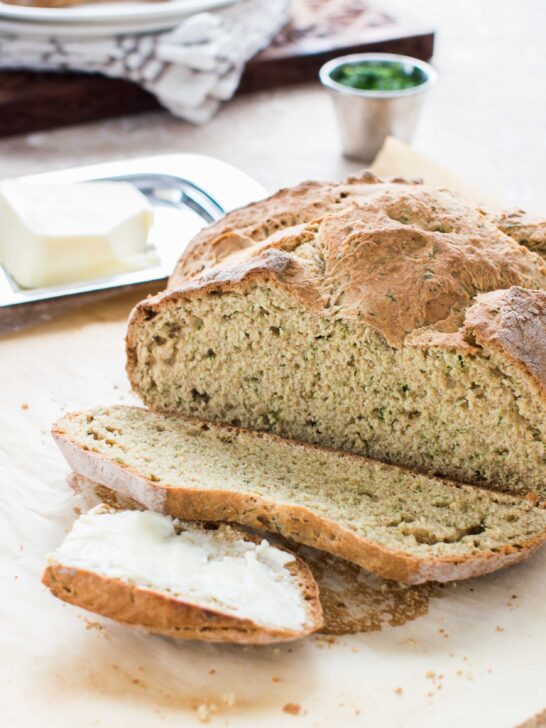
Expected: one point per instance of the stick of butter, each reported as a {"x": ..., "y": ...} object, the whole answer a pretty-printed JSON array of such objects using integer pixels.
[{"x": 60, "y": 233}]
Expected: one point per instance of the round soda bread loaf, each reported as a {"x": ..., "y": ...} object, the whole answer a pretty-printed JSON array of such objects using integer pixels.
[
  {"x": 210, "y": 582},
  {"x": 396, "y": 523},
  {"x": 396, "y": 321}
]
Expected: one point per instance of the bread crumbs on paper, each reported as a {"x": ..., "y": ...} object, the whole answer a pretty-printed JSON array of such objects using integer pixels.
[
  {"x": 398, "y": 691},
  {"x": 324, "y": 641},
  {"x": 292, "y": 709},
  {"x": 205, "y": 711},
  {"x": 203, "y": 714},
  {"x": 498, "y": 628},
  {"x": 92, "y": 624},
  {"x": 24, "y": 406}
]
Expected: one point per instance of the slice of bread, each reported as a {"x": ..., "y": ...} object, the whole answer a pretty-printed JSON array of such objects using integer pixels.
[
  {"x": 209, "y": 582},
  {"x": 404, "y": 326},
  {"x": 394, "y": 522}
]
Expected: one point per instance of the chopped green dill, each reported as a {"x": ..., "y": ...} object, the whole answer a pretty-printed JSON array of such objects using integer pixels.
[{"x": 379, "y": 75}]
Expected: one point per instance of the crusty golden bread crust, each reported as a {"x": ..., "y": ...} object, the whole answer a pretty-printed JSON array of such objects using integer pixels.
[
  {"x": 310, "y": 201},
  {"x": 295, "y": 522},
  {"x": 162, "y": 614},
  {"x": 523, "y": 227}
]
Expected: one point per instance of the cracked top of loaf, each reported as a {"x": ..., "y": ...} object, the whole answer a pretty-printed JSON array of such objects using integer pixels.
[{"x": 310, "y": 201}]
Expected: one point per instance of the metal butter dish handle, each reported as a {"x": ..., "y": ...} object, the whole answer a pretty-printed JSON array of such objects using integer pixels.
[{"x": 166, "y": 189}]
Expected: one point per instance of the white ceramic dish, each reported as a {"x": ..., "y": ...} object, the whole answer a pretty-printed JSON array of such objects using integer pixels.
[
  {"x": 187, "y": 191},
  {"x": 110, "y": 12},
  {"x": 88, "y": 29}
]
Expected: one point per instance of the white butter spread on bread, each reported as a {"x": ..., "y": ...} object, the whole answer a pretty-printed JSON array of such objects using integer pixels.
[
  {"x": 52, "y": 234},
  {"x": 241, "y": 578}
]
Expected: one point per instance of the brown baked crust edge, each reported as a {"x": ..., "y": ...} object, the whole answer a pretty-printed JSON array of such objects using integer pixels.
[
  {"x": 512, "y": 322},
  {"x": 294, "y": 522},
  {"x": 161, "y": 614}
]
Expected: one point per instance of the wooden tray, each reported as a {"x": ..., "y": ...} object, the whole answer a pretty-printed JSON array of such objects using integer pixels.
[{"x": 318, "y": 30}]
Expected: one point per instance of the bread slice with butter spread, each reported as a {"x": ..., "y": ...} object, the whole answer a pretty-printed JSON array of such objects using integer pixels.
[{"x": 209, "y": 582}]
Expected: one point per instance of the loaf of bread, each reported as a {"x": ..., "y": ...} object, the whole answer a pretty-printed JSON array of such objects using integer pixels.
[
  {"x": 201, "y": 582},
  {"x": 396, "y": 523},
  {"x": 391, "y": 320}
]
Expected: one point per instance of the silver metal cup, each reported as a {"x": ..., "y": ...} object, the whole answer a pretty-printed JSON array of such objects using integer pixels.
[{"x": 366, "y": 118}]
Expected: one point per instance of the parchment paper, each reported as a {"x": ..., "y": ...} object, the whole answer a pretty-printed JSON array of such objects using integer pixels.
[
  {"x": 478, "y": 658},
  {"x": 396, "y": 158}
]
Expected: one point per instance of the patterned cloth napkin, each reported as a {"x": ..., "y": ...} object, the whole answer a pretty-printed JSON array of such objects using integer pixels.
[{"x": 191, "y": 69}]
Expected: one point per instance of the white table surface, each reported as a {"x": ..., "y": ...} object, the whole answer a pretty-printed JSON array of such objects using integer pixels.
[{"x": 486, "y": 121}]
